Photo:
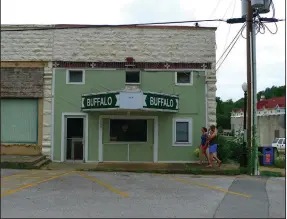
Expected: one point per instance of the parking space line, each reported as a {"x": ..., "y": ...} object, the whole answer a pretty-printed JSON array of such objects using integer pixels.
[
  {"x": 14, "y": 175},
  {"x": 22, "y": 177},
  {"x": 207, "y": 186},
  {"x": 104, "y": 184},
  {"x": 12, "y": 191}
]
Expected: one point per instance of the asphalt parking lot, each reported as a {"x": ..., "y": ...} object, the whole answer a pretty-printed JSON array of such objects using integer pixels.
[{"x": 46, "y": 193}]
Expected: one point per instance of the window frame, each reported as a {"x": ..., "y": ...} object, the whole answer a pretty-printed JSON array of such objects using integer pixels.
[
  {"x": 132, "y": 70},
  {"x": 184, "y": 84},
  {"x": 128, "y": 142},
  {"x": 182, "y": 144},
  {"x": 75, "y": 83}
]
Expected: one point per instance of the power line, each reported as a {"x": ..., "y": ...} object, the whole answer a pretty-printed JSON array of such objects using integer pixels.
[
  {"x": 229, "y": 26},
  {"x": 218, "y": 2},
  {"x": 238, "y": 33},
  {"x": 116, "y": 25},
  {"x": 225, "y": 13},
  {"x": 227, "y": 54},
  {"x": 233, "y": 20},
  {"x": 232, "y": 44}
]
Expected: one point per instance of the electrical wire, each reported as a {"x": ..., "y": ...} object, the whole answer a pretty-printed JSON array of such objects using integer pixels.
[
  {"x": 212, "y": 13},
  {"x": 116, "y": 25},
  {"x": 273, "y": 8},
  {"x": 233, "y": 40},
  {"x": 229, "y": 26},
  {"x": 231, "y": 45},
  {"x": 225, "y": 13},
  {"x": 261, "y": 27}
]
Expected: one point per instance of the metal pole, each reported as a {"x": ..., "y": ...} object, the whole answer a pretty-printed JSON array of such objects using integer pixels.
[
  {"x": 249, "y": 73},
  {"x": 245, "y": 108},
  {"x": 245, "y": 158},
  {"x": 254, "y": 90}
]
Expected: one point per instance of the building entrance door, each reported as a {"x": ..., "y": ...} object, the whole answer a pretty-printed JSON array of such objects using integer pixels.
[{"x": 74, "y": 139}]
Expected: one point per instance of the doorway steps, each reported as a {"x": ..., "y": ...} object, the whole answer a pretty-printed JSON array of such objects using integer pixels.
[{"x": 24, "y": 162}]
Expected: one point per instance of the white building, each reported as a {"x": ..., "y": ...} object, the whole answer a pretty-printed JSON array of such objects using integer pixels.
[{"x": 269, "y": 112}]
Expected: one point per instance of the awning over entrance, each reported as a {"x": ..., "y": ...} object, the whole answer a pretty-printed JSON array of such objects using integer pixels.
[{"x": 126, "y": 100}]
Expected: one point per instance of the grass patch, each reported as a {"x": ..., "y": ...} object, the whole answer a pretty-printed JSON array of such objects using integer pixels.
[
  {"x": 280, "y": 162},
  {"x": 270, "y": 174}
]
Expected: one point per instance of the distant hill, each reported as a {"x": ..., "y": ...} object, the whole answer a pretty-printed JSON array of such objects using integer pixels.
[{"x": 224, "y": 108}]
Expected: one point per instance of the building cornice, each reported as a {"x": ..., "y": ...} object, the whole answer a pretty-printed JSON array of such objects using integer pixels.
[{"x": 131, "y": 65}]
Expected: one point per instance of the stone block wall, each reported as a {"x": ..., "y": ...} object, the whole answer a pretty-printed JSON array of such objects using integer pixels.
[{"x": 47, "y": 110}]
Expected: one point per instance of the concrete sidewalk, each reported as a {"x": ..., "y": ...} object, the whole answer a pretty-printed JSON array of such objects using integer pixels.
[{"x": 141, "y": 167}]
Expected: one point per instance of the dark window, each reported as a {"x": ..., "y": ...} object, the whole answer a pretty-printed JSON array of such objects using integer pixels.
[
  {"x": 183, "y": 78},
  {"x": 75, "y": 76},
  {"x": 124, "y": 130},
  {"x": 182, "y": 132},
  {"x": 280, "y": 141},
  {"x": 133, "y": 77}
]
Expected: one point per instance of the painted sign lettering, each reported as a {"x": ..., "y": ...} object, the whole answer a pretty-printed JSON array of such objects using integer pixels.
[
  {"x": 163, "y": 102},
  {"x": 100, "y": 101}
]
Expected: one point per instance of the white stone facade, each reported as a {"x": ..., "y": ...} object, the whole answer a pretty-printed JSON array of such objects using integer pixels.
[
  {"x": 144, "y": 44},
  {"x": 26, "y": 45},
  {"x": 47, "y": 107},
  {"x": 267, "y": 124}
]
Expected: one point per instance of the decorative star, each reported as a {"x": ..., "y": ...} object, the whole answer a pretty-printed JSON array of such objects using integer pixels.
[
  {"x": 167, "y": 65},
  {"x": 204, "y": 66},
  {"x": 93, "y": 65},
  {"x": 55, "y": 64}
]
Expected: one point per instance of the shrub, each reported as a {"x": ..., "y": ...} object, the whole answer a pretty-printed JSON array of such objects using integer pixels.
[
  {"x": 280, "y": 162},
  {"x": 229, "y": 147}
]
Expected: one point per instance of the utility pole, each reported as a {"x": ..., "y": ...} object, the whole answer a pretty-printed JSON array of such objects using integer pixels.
[
  {"x": 249, "y": 28},
  {"x": 254, "y": 104},
  {"x": 260, "y": 7}
]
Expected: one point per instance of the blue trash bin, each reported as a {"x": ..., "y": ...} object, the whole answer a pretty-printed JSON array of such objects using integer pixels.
[{"x": 268, "y": 155}]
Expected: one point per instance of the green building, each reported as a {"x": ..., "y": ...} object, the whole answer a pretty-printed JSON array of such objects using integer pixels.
[
  {"x": 121, "y": 94},
  {"x": 138, "y": 118}
]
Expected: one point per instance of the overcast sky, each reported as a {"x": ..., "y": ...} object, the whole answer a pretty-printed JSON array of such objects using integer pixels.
[{"x": 231, "y": 75}]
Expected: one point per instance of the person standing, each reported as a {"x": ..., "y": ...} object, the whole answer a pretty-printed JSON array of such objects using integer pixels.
[
  {"x": 203, "y": 146},
  {"x": 212, "y": 139}
]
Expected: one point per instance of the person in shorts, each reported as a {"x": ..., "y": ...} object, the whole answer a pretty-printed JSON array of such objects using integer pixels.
[
  {"x": 212, "y": 139},
  {"x": 203, "y": 146}
]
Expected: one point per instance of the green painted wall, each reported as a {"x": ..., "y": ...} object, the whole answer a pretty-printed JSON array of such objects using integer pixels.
[{"x": 191, "y": 104}]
